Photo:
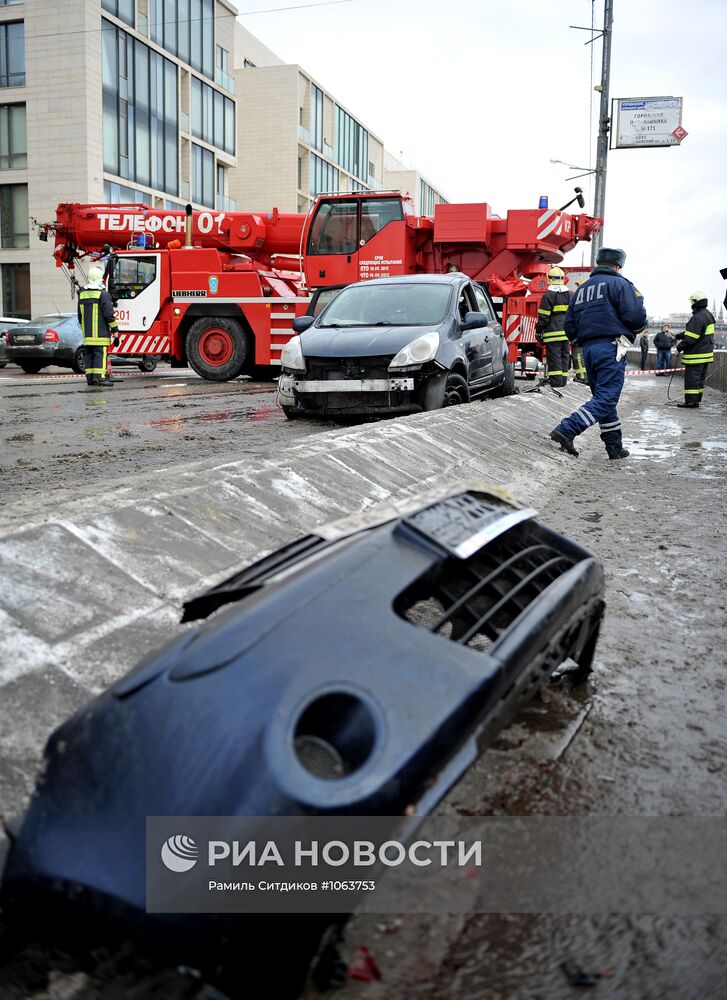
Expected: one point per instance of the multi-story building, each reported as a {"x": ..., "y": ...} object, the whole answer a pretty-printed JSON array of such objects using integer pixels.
[
  {"x": 107, "y": 101},
  {"x": 163, "y": 102},
  {"x": 408, "y": 180},
  {"x": 297, "y": 141}
]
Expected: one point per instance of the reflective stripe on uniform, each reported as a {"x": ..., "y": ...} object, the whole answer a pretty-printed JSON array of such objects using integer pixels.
[
  {"x": 560, "y": 309},
  {"x": 543, "y": 312},
  {"x": 697, "y": 359},
  {"x": 554, "y": 335},
  {"x": 693, "y": 392}
]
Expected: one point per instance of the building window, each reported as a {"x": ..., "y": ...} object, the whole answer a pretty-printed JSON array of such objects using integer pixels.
[
  {"x": 323, "y": 176},
  {"x": 13, "y": 137},
  {"x": 316, "y": 116},
  {"x": 117, "y": 194},
  {"x": 203, "y": 176},
  {"x": 186, "y": 28},
  {"x": 14, "y": 224},
  {"x": 12, "y": 54},
  {"x": 16, "y": 290},
  {"x": 428, "y": 198},
  {"x": 140, "y": 112},
  {"x": 123, "y": 9},
  {"x": 213, "y": 116},
  {"x": 352, "y": 145}
]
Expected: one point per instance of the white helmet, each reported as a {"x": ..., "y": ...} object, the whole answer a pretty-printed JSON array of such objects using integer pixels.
[
  {"x": 697, "y": 297},
  {"x": 95, "y": 275}
]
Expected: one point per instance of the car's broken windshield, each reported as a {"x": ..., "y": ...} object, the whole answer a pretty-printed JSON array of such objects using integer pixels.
[{"x": 387, "y": 305}]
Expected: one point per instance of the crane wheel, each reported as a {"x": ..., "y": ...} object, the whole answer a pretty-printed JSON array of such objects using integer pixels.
[{"x": 217, "y": 348}]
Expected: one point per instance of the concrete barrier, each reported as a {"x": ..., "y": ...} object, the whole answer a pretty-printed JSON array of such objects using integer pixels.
[{"x": 86, "y": 594}]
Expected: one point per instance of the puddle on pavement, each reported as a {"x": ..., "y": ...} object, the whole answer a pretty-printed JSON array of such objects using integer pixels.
[{"x": 178, "y": 423}]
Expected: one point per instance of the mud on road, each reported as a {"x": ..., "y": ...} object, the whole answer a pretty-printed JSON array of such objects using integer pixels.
[
  {"x": 647, "y": 737},
  {"x": 58, "y": 434}
]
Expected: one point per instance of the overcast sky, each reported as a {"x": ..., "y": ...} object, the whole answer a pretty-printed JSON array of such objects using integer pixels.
[{"x": 480, "y": 95}]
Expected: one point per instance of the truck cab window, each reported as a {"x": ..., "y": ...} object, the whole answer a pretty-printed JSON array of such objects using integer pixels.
[
  {"x": 334, "y": 228},
  {"x": 132, "y": 274},
  {"x": 377, "y": 213}
]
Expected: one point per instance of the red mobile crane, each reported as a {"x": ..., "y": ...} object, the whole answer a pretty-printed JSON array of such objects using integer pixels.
[{"x": 219, "y": 290}]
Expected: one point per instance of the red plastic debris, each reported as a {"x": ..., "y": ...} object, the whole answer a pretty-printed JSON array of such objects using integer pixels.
[{"x": 363, "y": 967}]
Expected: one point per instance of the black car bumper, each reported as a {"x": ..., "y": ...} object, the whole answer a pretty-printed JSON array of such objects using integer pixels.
[
  {"x": 48, "y": 354},
  {"x": 362, "y": 393}
]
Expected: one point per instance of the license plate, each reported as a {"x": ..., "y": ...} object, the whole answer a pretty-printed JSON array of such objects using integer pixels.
[
  {"x": 355, "y": 385},
  {"x": 23, "y": 339}
]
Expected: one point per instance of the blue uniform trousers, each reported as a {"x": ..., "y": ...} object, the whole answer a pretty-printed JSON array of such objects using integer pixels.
[{"x": 606, "y": 379}]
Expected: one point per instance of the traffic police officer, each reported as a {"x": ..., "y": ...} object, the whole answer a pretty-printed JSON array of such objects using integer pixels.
[
  {"x": 96, "y": 318},
  {"x": 696, "y": 346},
  {"x": 549, "y": 329},
  {"x": 605, "y": 309}
]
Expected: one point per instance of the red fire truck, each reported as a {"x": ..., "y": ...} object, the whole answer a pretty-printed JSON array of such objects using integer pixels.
[{"x": 219, "y": 290}]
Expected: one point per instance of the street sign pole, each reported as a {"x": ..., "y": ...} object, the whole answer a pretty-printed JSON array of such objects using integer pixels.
[{"x": 599, "y": 201}]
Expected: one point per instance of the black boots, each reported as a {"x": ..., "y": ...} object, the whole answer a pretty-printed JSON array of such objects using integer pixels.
[
  {"x": 688, "y": 406},
  {"x": 617, "y": 451},
  {"x": 565, "y": 442}
]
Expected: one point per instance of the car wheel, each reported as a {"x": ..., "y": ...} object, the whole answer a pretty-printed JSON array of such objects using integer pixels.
[
  {"x": 456, "y": 390},
  {"x": 147, "y": 365},
  {"x": 507, "y": 386},
  {"x": 78, "y": 365},
  {"x": 31, "y": 367},
  {"x": 290, "y": 413},
  {"x": 2, "y": 364}
]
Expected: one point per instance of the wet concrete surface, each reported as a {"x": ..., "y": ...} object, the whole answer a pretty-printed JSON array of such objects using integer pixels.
[
  {"x": 647, "y": 737},
  {"x": 650, "y": 737},
  {"x": 58, "y": 433}
]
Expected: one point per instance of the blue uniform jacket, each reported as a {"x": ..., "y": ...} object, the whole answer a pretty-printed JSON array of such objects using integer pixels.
[{"x": 605, "y": 307}]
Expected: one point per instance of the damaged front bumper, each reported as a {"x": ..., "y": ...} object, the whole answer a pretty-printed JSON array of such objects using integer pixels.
[{"x": 358, "y": 671}]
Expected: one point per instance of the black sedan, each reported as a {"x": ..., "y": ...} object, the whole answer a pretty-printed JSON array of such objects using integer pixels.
[
  {"x": 56, "y": 339},
  {"x": 396, "y": 345}
]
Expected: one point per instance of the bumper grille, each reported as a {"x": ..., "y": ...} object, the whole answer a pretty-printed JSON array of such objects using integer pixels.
[
  {"x": 339, "y": 368},
  {"x": 475, "y": 601}
]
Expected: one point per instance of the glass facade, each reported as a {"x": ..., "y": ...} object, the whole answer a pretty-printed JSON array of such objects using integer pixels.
[
  {"x": 12, "y": 54},
  {"x": 213, "y": 116},
  {"x": 324, "y": 177},
  {"x": 13, "y": 137},
  {"x": 352, "y": 145},
  {"x": 118, "y": 194},
  {"x": 428, "y": 198},
  {"x": 203, "y": 176},
  {"x": 14, "y": 222},
  {"x": 16, "y": 290},
  {"x": 316, "y": 117},
  {"x": 186, "y": 28},
  {"x": 140, "y": 112},
  {"x": 123, "y": 9}
]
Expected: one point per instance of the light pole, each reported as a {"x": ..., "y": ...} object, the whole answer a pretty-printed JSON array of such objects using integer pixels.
[
  {"x": 604, "y": 125},
  {"x": 599, "y": 198}
]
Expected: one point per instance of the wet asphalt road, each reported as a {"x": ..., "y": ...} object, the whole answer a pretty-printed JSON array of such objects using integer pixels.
[
  {"x": 58, "y": 433},
  {"x": 648, "y": 738}
]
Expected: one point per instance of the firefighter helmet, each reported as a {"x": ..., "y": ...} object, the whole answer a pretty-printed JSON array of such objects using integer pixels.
[
  {"x": 556, "y": 276},
  {"x": 95, "y": 275},
  {"x": 697, "y": 297}
]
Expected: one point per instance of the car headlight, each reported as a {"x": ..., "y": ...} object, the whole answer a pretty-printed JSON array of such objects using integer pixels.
[
  {"x": 292, "y": 355},
  {"x": 417, "y": 352}
]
